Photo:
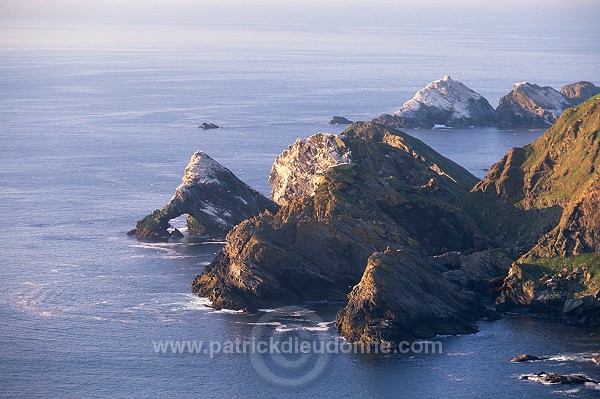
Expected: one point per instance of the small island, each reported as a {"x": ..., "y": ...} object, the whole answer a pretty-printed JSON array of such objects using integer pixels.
[
  {"x": 339, "y": 120},
  {"x": 209, "y": 125}
]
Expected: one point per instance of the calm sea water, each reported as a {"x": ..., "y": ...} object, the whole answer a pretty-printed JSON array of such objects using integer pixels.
[{"x": 96, "y": 127}]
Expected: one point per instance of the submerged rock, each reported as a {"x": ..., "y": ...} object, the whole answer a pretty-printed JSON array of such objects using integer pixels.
[
  {"x": 532, "y": 106},
  {"x": 580, "y": 91},
  {"x": 211, "y": 197},
  {"x": 340, "y": 120},
  {"x": 444, "y": 102}
]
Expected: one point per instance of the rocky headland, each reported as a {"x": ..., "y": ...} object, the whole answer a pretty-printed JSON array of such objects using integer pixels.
[
  {"x": 377, "y": 215},
  {"x": 557, "y": 175},
  {"x": 382, "y": 213},
  {"x": 408, "y": 242}
]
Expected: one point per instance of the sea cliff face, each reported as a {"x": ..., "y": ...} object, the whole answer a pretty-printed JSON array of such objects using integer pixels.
[
  {"x": 559, "y": 171},
  {"x": 355, "y": 209},
  {"x": 212, "y": 198},
  {"x": 296, "y": 170}
]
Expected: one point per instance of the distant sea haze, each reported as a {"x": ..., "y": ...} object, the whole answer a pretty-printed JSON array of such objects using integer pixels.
[{"x": 97, "y": 124}]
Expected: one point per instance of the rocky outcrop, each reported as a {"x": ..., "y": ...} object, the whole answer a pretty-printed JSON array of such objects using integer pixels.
[
  {"x": 381, "y": 150},
  {"x": 317, "y": 245},
  {"x": 545, "y": 378},
  {"x": 340, "y": 120},
  {"x": 532, "y": 106},
  {"x": 525, "y": 358},
  {"x": 402, "y": 297},
  {"x": 445, "y": 102},
  {"x": 580, "y": 91},
  {"x": 211, "y": 197}
]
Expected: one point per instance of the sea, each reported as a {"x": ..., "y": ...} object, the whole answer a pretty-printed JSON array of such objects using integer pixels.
[{"x": 97, "y": 124}]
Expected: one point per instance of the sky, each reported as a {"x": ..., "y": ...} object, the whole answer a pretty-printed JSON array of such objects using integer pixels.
[{"x": 322, "y": 11}]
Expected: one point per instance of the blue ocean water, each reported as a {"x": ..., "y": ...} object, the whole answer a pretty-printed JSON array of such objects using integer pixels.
[{"x": 96, "y": 127}]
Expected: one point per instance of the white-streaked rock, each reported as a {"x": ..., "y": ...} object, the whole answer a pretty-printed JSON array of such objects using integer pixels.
[
  {"x": 530, "y": 105},
  {"x": 445, "y": 102}
]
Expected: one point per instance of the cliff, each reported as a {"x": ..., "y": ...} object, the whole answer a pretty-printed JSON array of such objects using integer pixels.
[
  {"x": 558, "y": 172},
  {"x": 212, "y": 198},
  {"x": 403, "y": 297}
]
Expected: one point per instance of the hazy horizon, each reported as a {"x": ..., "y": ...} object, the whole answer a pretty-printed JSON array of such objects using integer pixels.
[{"x": 270, "y": 11}]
